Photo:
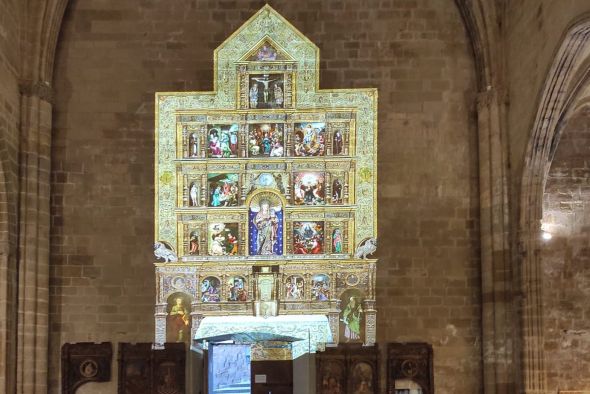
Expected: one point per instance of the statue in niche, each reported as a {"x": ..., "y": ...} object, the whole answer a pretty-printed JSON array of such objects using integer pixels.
[
  {"x": 337, "y": 142},
  {"x": 193, "y": 193},
  {"x": 267, "y": 224},
  {"x": 266, "y": 227},
  {"x": 193, "y": 145}
]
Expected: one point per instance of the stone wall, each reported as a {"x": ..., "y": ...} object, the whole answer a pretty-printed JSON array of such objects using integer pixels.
[
  {"x": 9, "y": 171},
  {"x": 566, "y": 259},
  {"x": 113, "y": 55}
]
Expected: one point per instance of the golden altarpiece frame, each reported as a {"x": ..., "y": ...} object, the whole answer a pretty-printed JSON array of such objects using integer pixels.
[{"x": 265, "y": 196}]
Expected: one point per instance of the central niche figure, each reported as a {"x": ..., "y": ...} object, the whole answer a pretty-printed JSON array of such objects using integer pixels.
[{"x": 266, "y": 225}]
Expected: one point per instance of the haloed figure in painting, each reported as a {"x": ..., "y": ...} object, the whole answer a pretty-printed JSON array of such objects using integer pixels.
[
  {"x": 352, "y": 317},
  {"x": 267, "y": 224}
]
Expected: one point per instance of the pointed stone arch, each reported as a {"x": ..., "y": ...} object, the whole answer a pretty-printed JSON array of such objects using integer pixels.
[{"x": 568, "y": 76}]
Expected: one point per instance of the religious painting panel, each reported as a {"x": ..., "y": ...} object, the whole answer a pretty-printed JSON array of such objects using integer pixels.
[
  {"x": 169, "y": 366},
  {"x": 266, "y": 140},
  {"x": 178, "y": 320},
  {"x": 265, "y": 225},
  {"x": 222, "y": 140},
  {"x": 237, "y": 289},
  {"x": 266, "y": 52},
  {"x": 308, "y": 237},
  {"x": 309, "y": 188},
  {"x": 275, "y": 180},
  {"x": 223, "y": 190},
  {"x": 210, "y": 289},
  {"x": 223, "y": 239},
  {"x": 309, "y": 139},
  {"x": 266, "y": 91},
  {"x": 294, "y": 288},
  {"x": 352, "y": 316},
  {"x": 362, "y": 378},
  {"x": 135, "y": 368},
  {"x": 332, "y": 377},
  {"x": 320, "y": 287}
]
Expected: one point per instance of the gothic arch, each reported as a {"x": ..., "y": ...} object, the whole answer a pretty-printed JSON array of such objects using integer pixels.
[{"x": 565, "y": 80}]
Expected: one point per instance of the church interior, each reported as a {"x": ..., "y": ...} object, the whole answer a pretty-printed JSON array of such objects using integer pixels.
[{"x": 321, "y": 196}]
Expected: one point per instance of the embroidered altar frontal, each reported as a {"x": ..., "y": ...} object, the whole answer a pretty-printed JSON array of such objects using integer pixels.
[{"x": 265, "y": 189}]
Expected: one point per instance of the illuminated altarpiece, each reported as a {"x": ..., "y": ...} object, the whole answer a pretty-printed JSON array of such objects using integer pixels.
[{"x": 266, "y": 194}]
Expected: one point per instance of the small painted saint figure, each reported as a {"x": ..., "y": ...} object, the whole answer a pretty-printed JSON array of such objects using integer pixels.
[
  {"x": 267, "y": 224},
  {"x": 178, "y": 322},
  {"x": 352, "y": 317},
  {"x": 337, "y": 241}
]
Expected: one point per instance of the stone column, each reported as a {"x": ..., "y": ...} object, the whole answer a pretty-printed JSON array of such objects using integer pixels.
[
  {"x": 498, "y": 317},
  {"x": 34, "y": 221}
]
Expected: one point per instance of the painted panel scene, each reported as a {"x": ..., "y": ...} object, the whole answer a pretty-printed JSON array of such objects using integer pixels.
[
  {"x": 266, "y": 91},
  {"x": 210, "y": 289},
  {"x": 266, "y": 53},
  {"x": 351, "y": 316},
  {"x": 223, "y": 239},
  {"x": 178, "y": 318},
  {"x": 309, "y": 139},
  {"x": 237, "y": 289},
  {"x": 222, "y": 140},
  {"x": 333, "y": 380},
  {"x": 362, "y": 378},
  {"x": 223, "y": 190},
  {"x": 320, "y": 287},
  {"x": 266, "y": 140},
  {"x": 294, "y": 288},
  {"x": 308, "y": 188},
  {"x": 308, "y": 237}
]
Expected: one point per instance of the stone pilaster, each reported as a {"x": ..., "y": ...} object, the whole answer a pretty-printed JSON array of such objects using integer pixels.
[
  {"x": 34, "y": 223},
  {"x": 498, "y": 319}
]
